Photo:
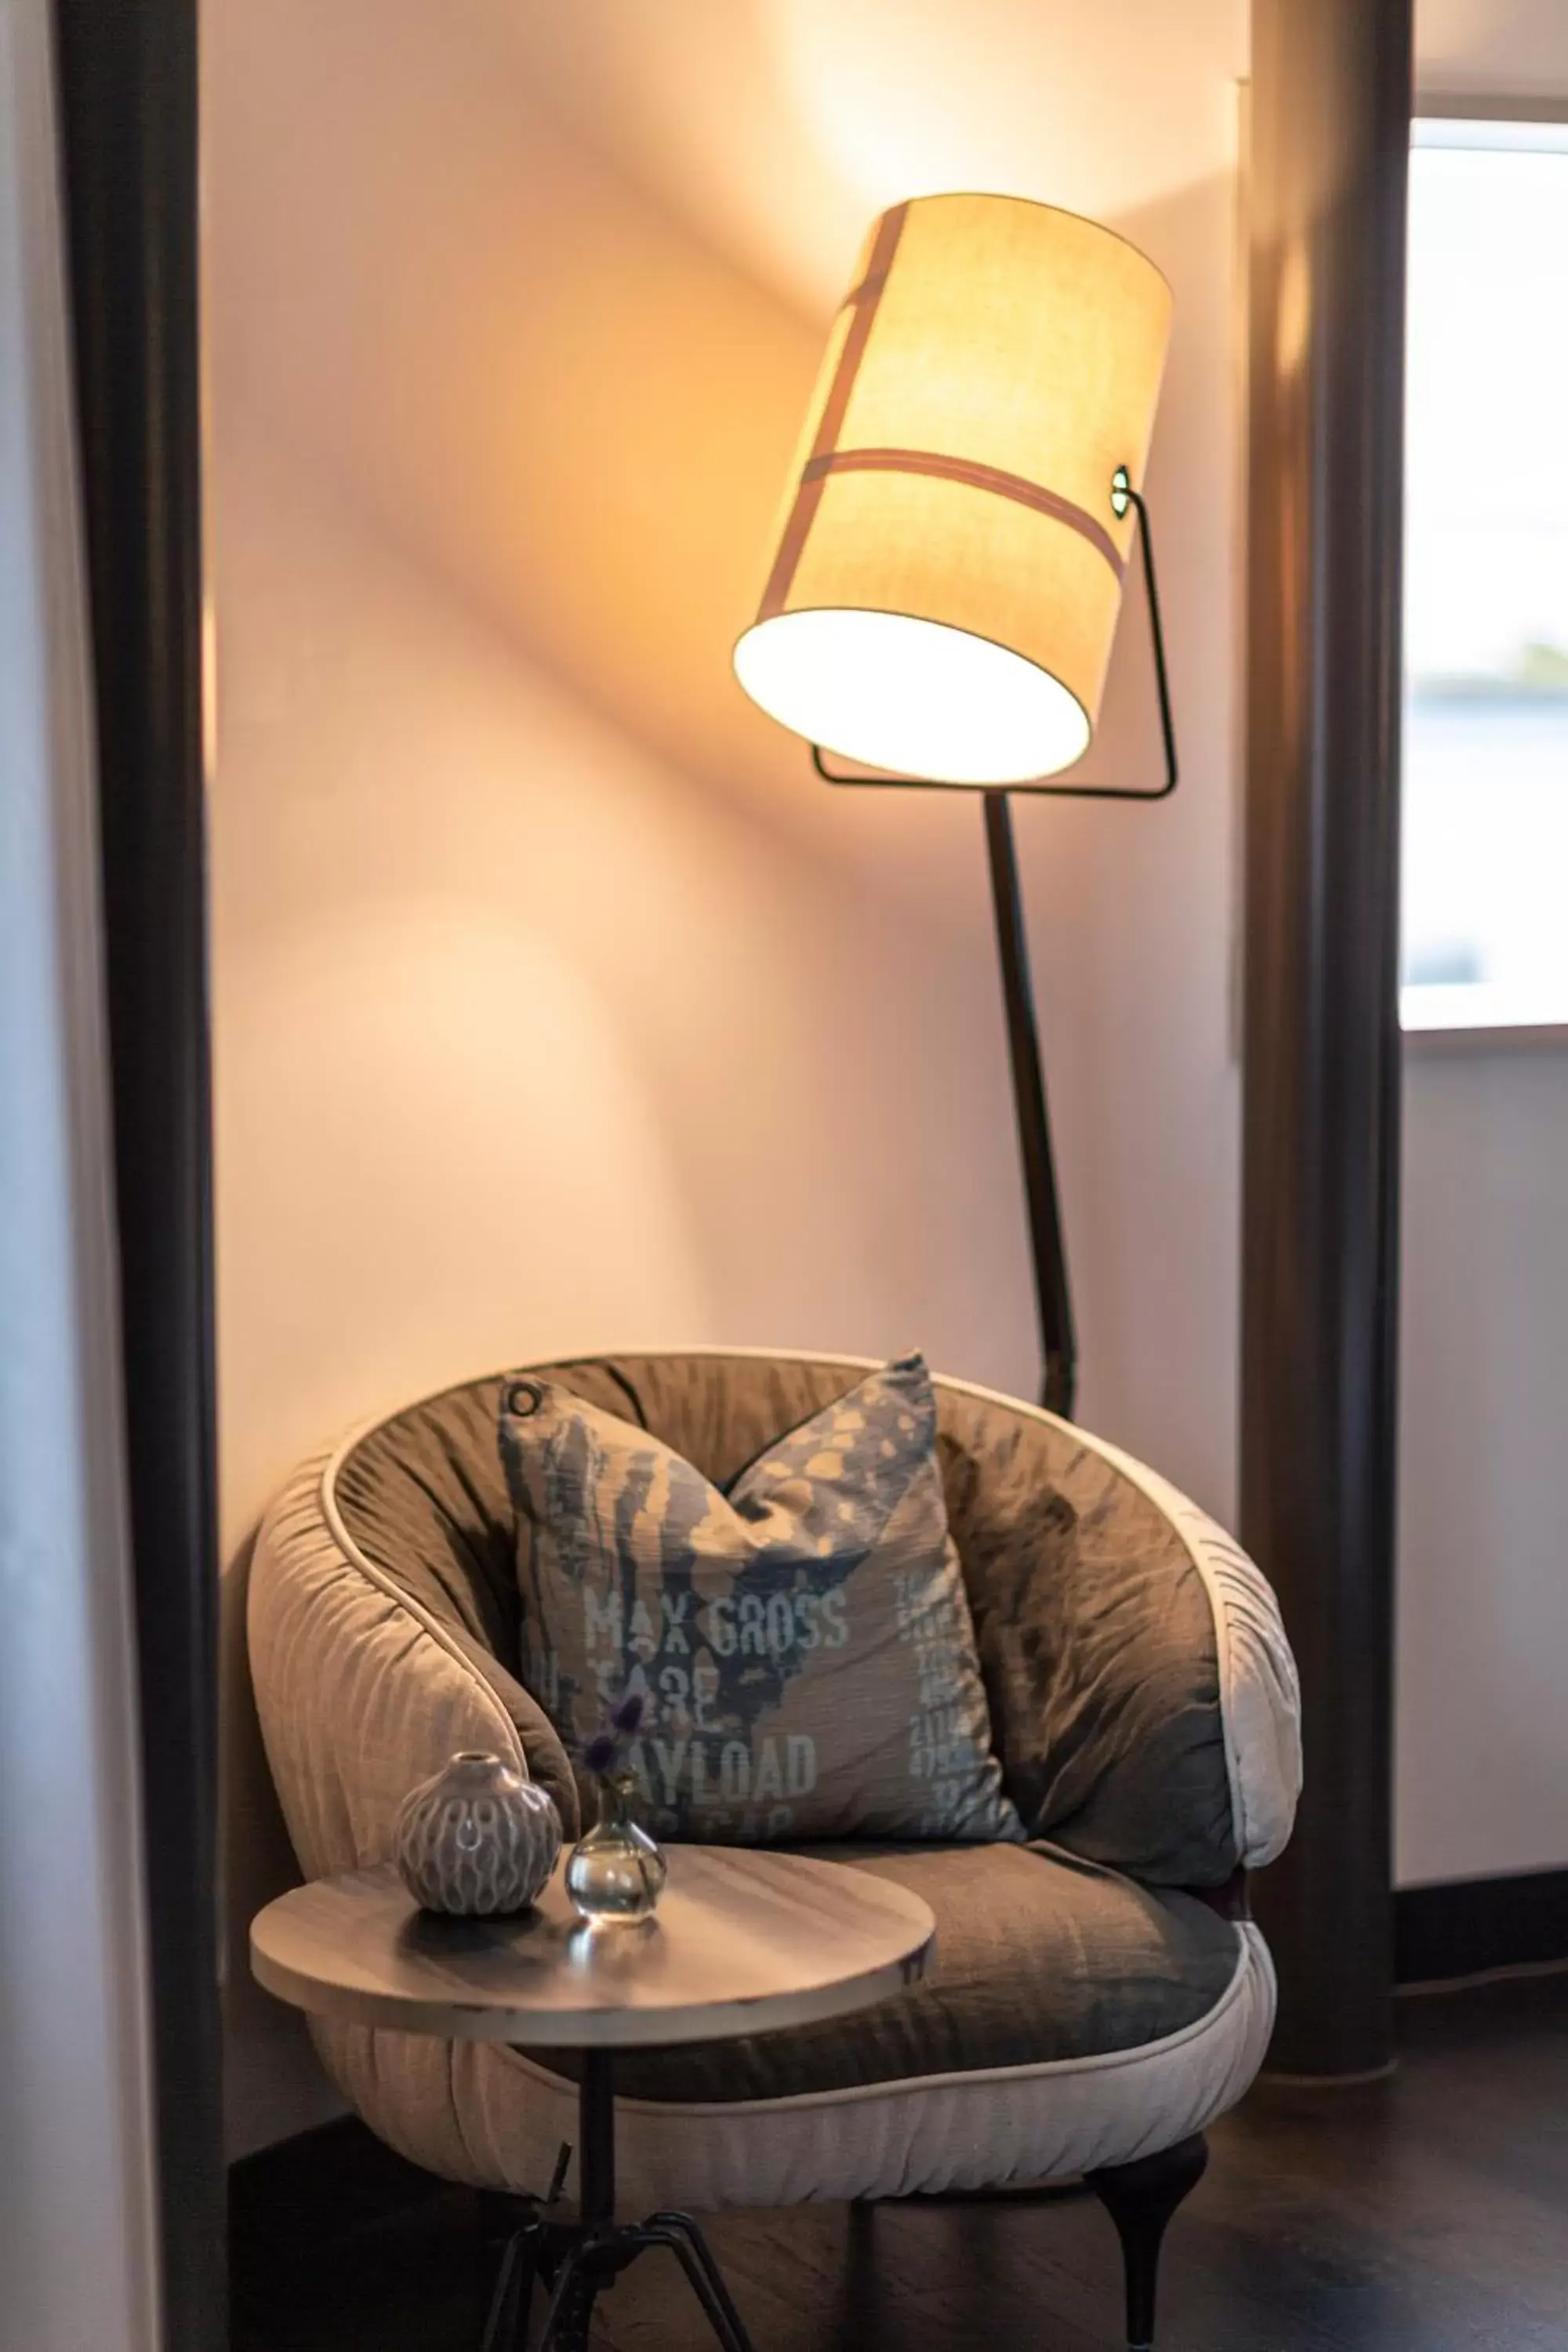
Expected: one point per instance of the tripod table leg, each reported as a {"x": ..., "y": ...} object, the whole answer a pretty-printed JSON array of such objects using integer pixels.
[
  {"x": 508, "y": 2318},
  {"x": 682, "y": 2225},
  {"x": 571, "y": 2306}
]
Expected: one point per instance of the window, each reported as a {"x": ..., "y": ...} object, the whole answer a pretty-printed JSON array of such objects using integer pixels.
[{"x": 1484, "y": 913}]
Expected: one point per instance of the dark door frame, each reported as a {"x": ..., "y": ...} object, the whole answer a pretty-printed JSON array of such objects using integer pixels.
[
  {"x": 126, "y": 76},
  {"x": 1330, "y": 139}
]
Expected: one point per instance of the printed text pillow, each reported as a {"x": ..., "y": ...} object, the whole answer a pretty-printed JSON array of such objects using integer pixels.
[{"x": 804, "y": 1638}]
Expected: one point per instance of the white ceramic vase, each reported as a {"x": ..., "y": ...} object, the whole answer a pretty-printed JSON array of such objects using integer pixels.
[{"x": 476, "y": 1838}]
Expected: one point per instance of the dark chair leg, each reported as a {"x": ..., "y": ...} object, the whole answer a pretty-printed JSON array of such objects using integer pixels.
[{"x": 1141, "y": 2198}]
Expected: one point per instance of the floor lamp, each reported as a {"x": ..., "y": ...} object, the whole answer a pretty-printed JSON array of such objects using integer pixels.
[{"x": 950, "y": 565}]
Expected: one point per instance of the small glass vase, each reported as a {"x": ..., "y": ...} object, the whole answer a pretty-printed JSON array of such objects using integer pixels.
[{"x": 616, "y": 1871}]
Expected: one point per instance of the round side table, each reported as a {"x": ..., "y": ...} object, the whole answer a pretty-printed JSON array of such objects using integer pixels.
[{"x": 743, "y": 1942}]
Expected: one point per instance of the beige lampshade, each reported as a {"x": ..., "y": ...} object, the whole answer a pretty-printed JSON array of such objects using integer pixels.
[{"x": 950, "y": 564}]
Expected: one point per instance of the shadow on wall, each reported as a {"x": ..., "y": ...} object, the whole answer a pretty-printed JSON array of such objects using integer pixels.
[{"x": 533, "y": 381}]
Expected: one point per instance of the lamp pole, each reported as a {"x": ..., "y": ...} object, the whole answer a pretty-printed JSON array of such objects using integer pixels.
[{"x": 1053, "y": 1298}]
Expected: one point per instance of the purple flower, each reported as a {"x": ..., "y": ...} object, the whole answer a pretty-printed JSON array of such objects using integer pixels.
[
  {"x": 628, "y": 1718},
  {"x": 603, "y": 1752},
  {"x": 606, "y": 1753}
]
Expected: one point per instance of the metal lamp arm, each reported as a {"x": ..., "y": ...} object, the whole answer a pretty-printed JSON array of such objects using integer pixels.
[{"x": 1123, "y": 496}]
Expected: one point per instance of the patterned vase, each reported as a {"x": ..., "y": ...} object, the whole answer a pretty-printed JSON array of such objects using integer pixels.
[
  {"x": 476, "y": 1838},
  {"x": 615, "y": 1871}
]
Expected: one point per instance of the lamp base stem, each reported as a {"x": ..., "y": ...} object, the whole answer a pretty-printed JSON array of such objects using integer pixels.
[{"x": 1053, "y": 1298}]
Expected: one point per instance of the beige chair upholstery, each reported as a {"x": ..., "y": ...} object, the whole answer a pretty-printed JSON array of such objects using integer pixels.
[{"x": 1095, "y": 1998}]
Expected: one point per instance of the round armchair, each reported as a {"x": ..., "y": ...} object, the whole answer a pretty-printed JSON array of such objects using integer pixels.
[{"x": 1099, "y": 1993}]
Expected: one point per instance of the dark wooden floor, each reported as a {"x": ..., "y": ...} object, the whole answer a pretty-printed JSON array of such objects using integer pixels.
[{"x": 1425, "y": 2213}]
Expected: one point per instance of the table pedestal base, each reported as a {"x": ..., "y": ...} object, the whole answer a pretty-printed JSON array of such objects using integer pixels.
[{"x": 575, "y": 2260}]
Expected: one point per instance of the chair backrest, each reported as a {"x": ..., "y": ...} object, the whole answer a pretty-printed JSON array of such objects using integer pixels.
[{"x": 1129, "y": 1650}]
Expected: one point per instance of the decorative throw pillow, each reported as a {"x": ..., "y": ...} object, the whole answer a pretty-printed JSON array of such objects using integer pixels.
[{"x": 805, "y": 1639}]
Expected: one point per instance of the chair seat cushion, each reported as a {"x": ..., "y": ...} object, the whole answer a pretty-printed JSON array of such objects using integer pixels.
[{"x": 1040, "y": 1956}]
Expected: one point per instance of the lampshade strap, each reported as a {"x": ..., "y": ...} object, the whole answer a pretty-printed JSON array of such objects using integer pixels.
[{"x": 1123, "y": 490}]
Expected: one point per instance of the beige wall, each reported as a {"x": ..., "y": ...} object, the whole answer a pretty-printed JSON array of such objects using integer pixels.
[
  {"x": 555, "y": 1003},
  {"x": 1482, "y": 1760}
]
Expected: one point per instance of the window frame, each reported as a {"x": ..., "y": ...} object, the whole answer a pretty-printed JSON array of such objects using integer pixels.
[{"x": 1438, "y": 105}]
